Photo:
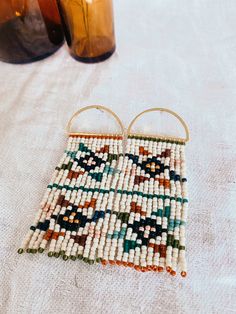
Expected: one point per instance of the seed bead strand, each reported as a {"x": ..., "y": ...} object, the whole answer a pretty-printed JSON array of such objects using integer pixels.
[
  {"x": 108, "y": 228},
  {"x": 156, "y": 258},
  {"x": 138, "y": 190},
  {"x": 151, "y": 218},
  {"x": 170, "y": 235},
  {"x": 175, "y": 251},
  {"x": 114, "y": 237},
  {"x": 184, "y": 212}
]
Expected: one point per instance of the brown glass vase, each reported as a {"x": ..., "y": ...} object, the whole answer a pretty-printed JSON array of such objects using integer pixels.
[
  {"x": 29, "y": 30},
  {"x": 89, "y": 28}
]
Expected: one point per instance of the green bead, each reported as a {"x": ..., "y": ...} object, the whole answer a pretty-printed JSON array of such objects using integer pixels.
[
  {"x": 56, "y": 254},
  {"x": 40, "y": 250},
  {"x": 80, "y": 256},
  {"x": 98, "y": 260},
  {"x": 34, "y": 251},
  {"x": 62, "y": 252},
  {"x": 50, "y": 254},
  {"x": 176, "y": 244},
  {"x": 73, "y": 258},
  {"x": 65, "y": 257},
  {"x": 90, "y": 262},
  {"x": 20, "y": 251},
  {"x": 28, "y": 250},
  {"x": 85, "y": 259}
]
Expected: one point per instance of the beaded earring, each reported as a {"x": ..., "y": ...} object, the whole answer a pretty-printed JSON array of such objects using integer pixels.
[
  {"x": 153, "y": 202},
  {"x": 77, "y": 205}
]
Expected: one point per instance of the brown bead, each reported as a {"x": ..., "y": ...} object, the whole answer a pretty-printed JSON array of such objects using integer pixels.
[
  {"x": 60, "y": 199},
  {"x": 83, "y": 239},
  {"x": 167, "y": 184},
  {"x": 86, "y": 205},
  {"x": 55, "y": 235},
  {"x": 136, "y": 179},
  {"x": 106, "y": 149},
  {"x": 167, "y": 153},
  {"x": 75, "y": 175},
  {"x": 141, "y": 150},
  {"x": 77, "y": 239},
  {"x": 141, "y": 179},
  {"x": 65, "y": 203},
  {"x": 156, "y": 248}
]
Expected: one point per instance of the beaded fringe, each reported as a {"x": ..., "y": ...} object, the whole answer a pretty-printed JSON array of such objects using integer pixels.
[{"x": 106, "y": 206}]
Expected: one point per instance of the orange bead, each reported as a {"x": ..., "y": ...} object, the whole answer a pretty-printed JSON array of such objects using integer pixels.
[
  {"x": 168, "y": 269},
  {"x": 160, "y": 269},
  {"x": 104, "y": 262},
  {"x": 137, "y": 267},
  {"x": 130, "y": 264},
  {"x": 119, "y": 263},
  {"x": 125, "y": 264},
  {"x": 183, "y": 274},
  {"x": 173, "y": 273},
  {"x": 112, "y": 262}
]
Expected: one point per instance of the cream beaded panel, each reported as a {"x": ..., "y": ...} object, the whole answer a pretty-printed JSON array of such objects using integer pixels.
[{"x": 105, "y": 205}]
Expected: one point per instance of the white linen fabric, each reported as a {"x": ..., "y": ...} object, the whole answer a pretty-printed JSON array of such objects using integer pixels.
[{"x": 175, "y": 54}]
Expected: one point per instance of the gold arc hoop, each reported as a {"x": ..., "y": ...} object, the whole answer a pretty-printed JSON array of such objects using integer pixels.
[
  {"x": 98, "y": 107},
  {"x": 186, "y": 139}
]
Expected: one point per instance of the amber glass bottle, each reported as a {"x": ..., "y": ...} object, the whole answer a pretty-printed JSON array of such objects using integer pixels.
[
  {"x": 89, "y": 28},
  {"x": 29, "y": 30}
]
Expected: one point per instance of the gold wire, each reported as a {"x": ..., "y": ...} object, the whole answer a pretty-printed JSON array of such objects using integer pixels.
[
  {"x": 186, "y": 139},
  {"x": 99, "y": 107}
]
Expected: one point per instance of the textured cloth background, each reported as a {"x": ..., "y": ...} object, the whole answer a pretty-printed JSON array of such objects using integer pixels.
[{"x": 175, "y": 54}]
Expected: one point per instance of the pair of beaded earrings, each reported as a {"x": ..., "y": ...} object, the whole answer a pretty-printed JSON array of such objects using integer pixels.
[{"x": 106, "y": 204}]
